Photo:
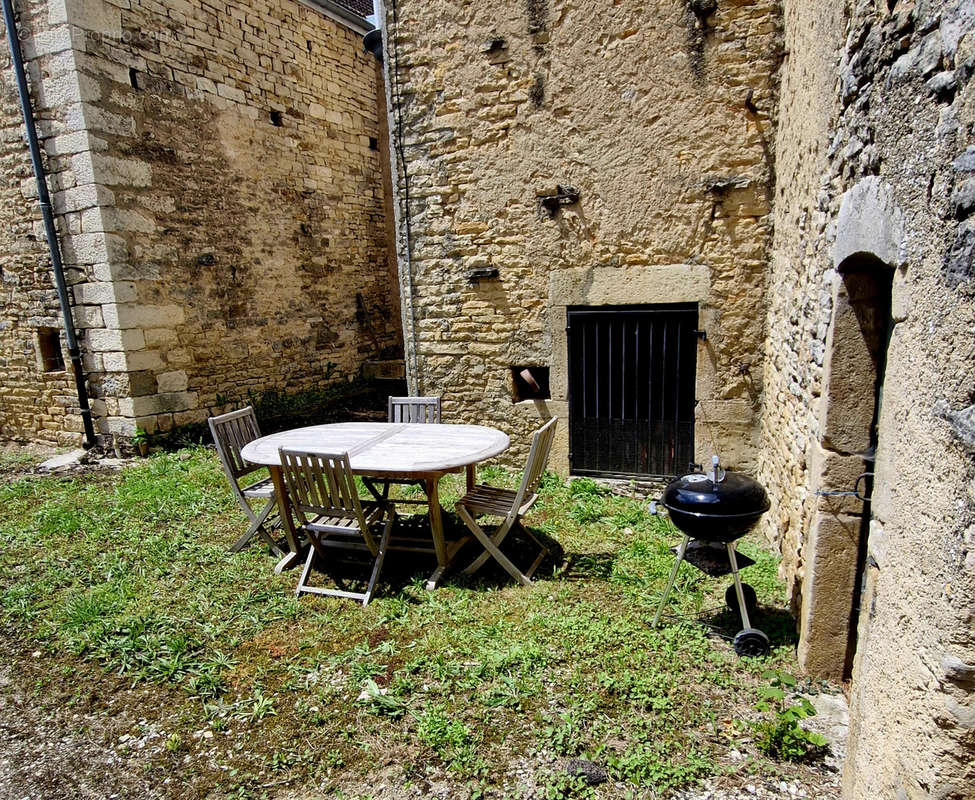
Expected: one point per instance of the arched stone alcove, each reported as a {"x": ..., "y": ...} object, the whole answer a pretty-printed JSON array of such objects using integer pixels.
[{"x": 867, "y": 248}]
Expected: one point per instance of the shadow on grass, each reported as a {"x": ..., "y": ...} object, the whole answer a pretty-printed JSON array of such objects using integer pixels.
[
  {"x": 776, "y": 623},
  {"x": 588, "y": 566},
  {"x": 519, "y": 548},
  {"x": 404, "y": 568}
]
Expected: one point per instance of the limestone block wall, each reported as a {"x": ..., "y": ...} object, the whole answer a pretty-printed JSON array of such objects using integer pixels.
[
  {"x": 248, "y": 209},
  {"x": 877, "y": 120},
  {"x": 221, "y": 199},
  {"x": 659, "y": 114}
]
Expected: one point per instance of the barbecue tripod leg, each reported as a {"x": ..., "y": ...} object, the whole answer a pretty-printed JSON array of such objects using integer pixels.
[
  {"x": 741, "y": 595},
  {"x": 670, "y": 584}
]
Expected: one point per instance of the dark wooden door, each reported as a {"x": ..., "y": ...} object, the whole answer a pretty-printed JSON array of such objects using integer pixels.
[{"x": 631, "y": 389}]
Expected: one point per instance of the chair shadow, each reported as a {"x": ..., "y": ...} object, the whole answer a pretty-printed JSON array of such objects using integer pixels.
[
  {"x": 588, "y": 566},
  {"x": 404, "y": 569}
]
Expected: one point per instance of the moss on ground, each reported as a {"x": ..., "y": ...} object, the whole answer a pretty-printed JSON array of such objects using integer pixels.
[{"x": 482, "y": 686}]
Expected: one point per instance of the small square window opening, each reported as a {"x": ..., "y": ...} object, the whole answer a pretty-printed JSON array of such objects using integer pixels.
[
  {"x": 50, "y": 358},
  {"x": 530, "y": 383}
]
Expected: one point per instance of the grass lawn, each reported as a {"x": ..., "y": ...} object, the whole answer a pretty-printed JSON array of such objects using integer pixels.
[{"x": 211, "y": 679}]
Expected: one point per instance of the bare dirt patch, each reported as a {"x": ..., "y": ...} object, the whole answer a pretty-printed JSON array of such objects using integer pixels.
[
  {"x": 17, "y": 458},
  {"x": 58, "y": 740}
]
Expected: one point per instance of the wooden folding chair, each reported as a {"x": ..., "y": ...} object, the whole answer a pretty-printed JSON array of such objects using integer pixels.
[
  {"x": 413, "y": 410},
  {"x": 511, "y": 505},
  {"x": 230, "y": 433},
  {"x": 323, "y": 494}
]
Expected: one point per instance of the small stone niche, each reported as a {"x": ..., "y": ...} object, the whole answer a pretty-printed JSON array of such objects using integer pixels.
[
  {"x": 47, "y": 344},
  {"x": 530, "y": 383}
]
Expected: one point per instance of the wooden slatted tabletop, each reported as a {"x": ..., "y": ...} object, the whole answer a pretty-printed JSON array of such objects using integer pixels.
[{"x": 383, "y": 448}]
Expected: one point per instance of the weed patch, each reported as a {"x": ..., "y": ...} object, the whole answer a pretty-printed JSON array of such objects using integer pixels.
[{"x": 477, "y": 684}]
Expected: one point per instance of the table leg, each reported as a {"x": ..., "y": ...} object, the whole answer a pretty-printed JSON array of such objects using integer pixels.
[
  {"x": 287, "y": 522},
  {"x": 379, "y": 495},
  {"x": 436, "y": 529},
  {"x": 471, "y": 477}
]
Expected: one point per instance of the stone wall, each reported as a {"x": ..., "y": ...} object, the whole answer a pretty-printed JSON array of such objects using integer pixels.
[
  {"x": 799, "y": 293},
  {"x": 660, "y": 115},
  {"x": 877, "y": 120},
  {"x": 219, "y": 183},
  {"x": 35, "y": 403}
]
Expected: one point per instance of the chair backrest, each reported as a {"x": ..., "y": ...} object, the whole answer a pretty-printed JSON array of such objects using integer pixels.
[
  {"x": 414, "y": 409},
  {"x": 537, "y": 461},
  {"x": 321, "y": 485},
  {"x": 230, "y": 433}
]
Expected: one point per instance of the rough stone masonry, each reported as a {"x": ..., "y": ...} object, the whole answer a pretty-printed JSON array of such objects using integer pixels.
[
  {"x": 217, "y": 180},
  {"x": 659, "y": 117},
  {"x": 874, "y": 155}
]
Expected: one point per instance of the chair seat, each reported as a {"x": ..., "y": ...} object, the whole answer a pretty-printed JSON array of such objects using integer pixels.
[
  {"x": 484, "y": 499},
  {"x": 373, "y": 513},
  {"x": 263, "y": 489}
]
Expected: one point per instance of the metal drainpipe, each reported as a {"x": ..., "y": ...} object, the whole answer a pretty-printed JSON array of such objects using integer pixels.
[{"x": 49, "y": 229}]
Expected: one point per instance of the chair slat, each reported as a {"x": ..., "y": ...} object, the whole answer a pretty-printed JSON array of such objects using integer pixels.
[
  {"x": 323, "y": 494},
  {"x": 537, "y": 459},
  {"x": 414, "y": 409},
  {"x": 411, "y": 410},
  {"x": 321, "y": 485}
]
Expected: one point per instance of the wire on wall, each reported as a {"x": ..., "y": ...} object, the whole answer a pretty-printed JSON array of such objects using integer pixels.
[{"x": 397, "y": 96}]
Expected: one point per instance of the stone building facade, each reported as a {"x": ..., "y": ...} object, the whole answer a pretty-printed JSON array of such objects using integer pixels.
[
  {"x": 672, "y": 181},
  {"x": 216, "y": 174},
  {"x": 803, "y": 173},
  {"x": 874, "y": 246}
]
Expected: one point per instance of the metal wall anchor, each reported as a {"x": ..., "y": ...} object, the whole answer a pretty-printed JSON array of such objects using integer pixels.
[{"x": 848, "y": 493}]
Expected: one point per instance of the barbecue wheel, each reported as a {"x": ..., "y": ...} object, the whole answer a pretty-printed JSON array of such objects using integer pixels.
[
  {"x": 751, "y": 599},
  {"x": 751, "y": 642}
]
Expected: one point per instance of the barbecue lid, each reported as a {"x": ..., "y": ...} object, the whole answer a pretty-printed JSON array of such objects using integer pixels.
[{"x": 719, "y": 493}]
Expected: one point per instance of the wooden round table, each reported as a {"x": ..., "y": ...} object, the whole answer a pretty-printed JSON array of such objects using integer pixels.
[{"x": 424, "y": 452}]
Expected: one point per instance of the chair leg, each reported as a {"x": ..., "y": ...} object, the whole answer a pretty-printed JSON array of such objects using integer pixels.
[
  {"x": 257, "y": 520},
  {"x": 257, "y": 529},
  {"x": 491, "y": 547},
  {"x": 498, "y": 537},
  {"x": 270, "y": 542},
  {"x": 380, "y": 557},
  {"x": 379, "y": 495},
  {"x": 542, "y": 549},
  {"x": 265, "y": 534},
  {"x": 303, "y": 580}
]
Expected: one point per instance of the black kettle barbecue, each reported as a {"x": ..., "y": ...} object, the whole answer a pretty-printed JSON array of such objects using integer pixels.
[{"x": 713, "y": 509}]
